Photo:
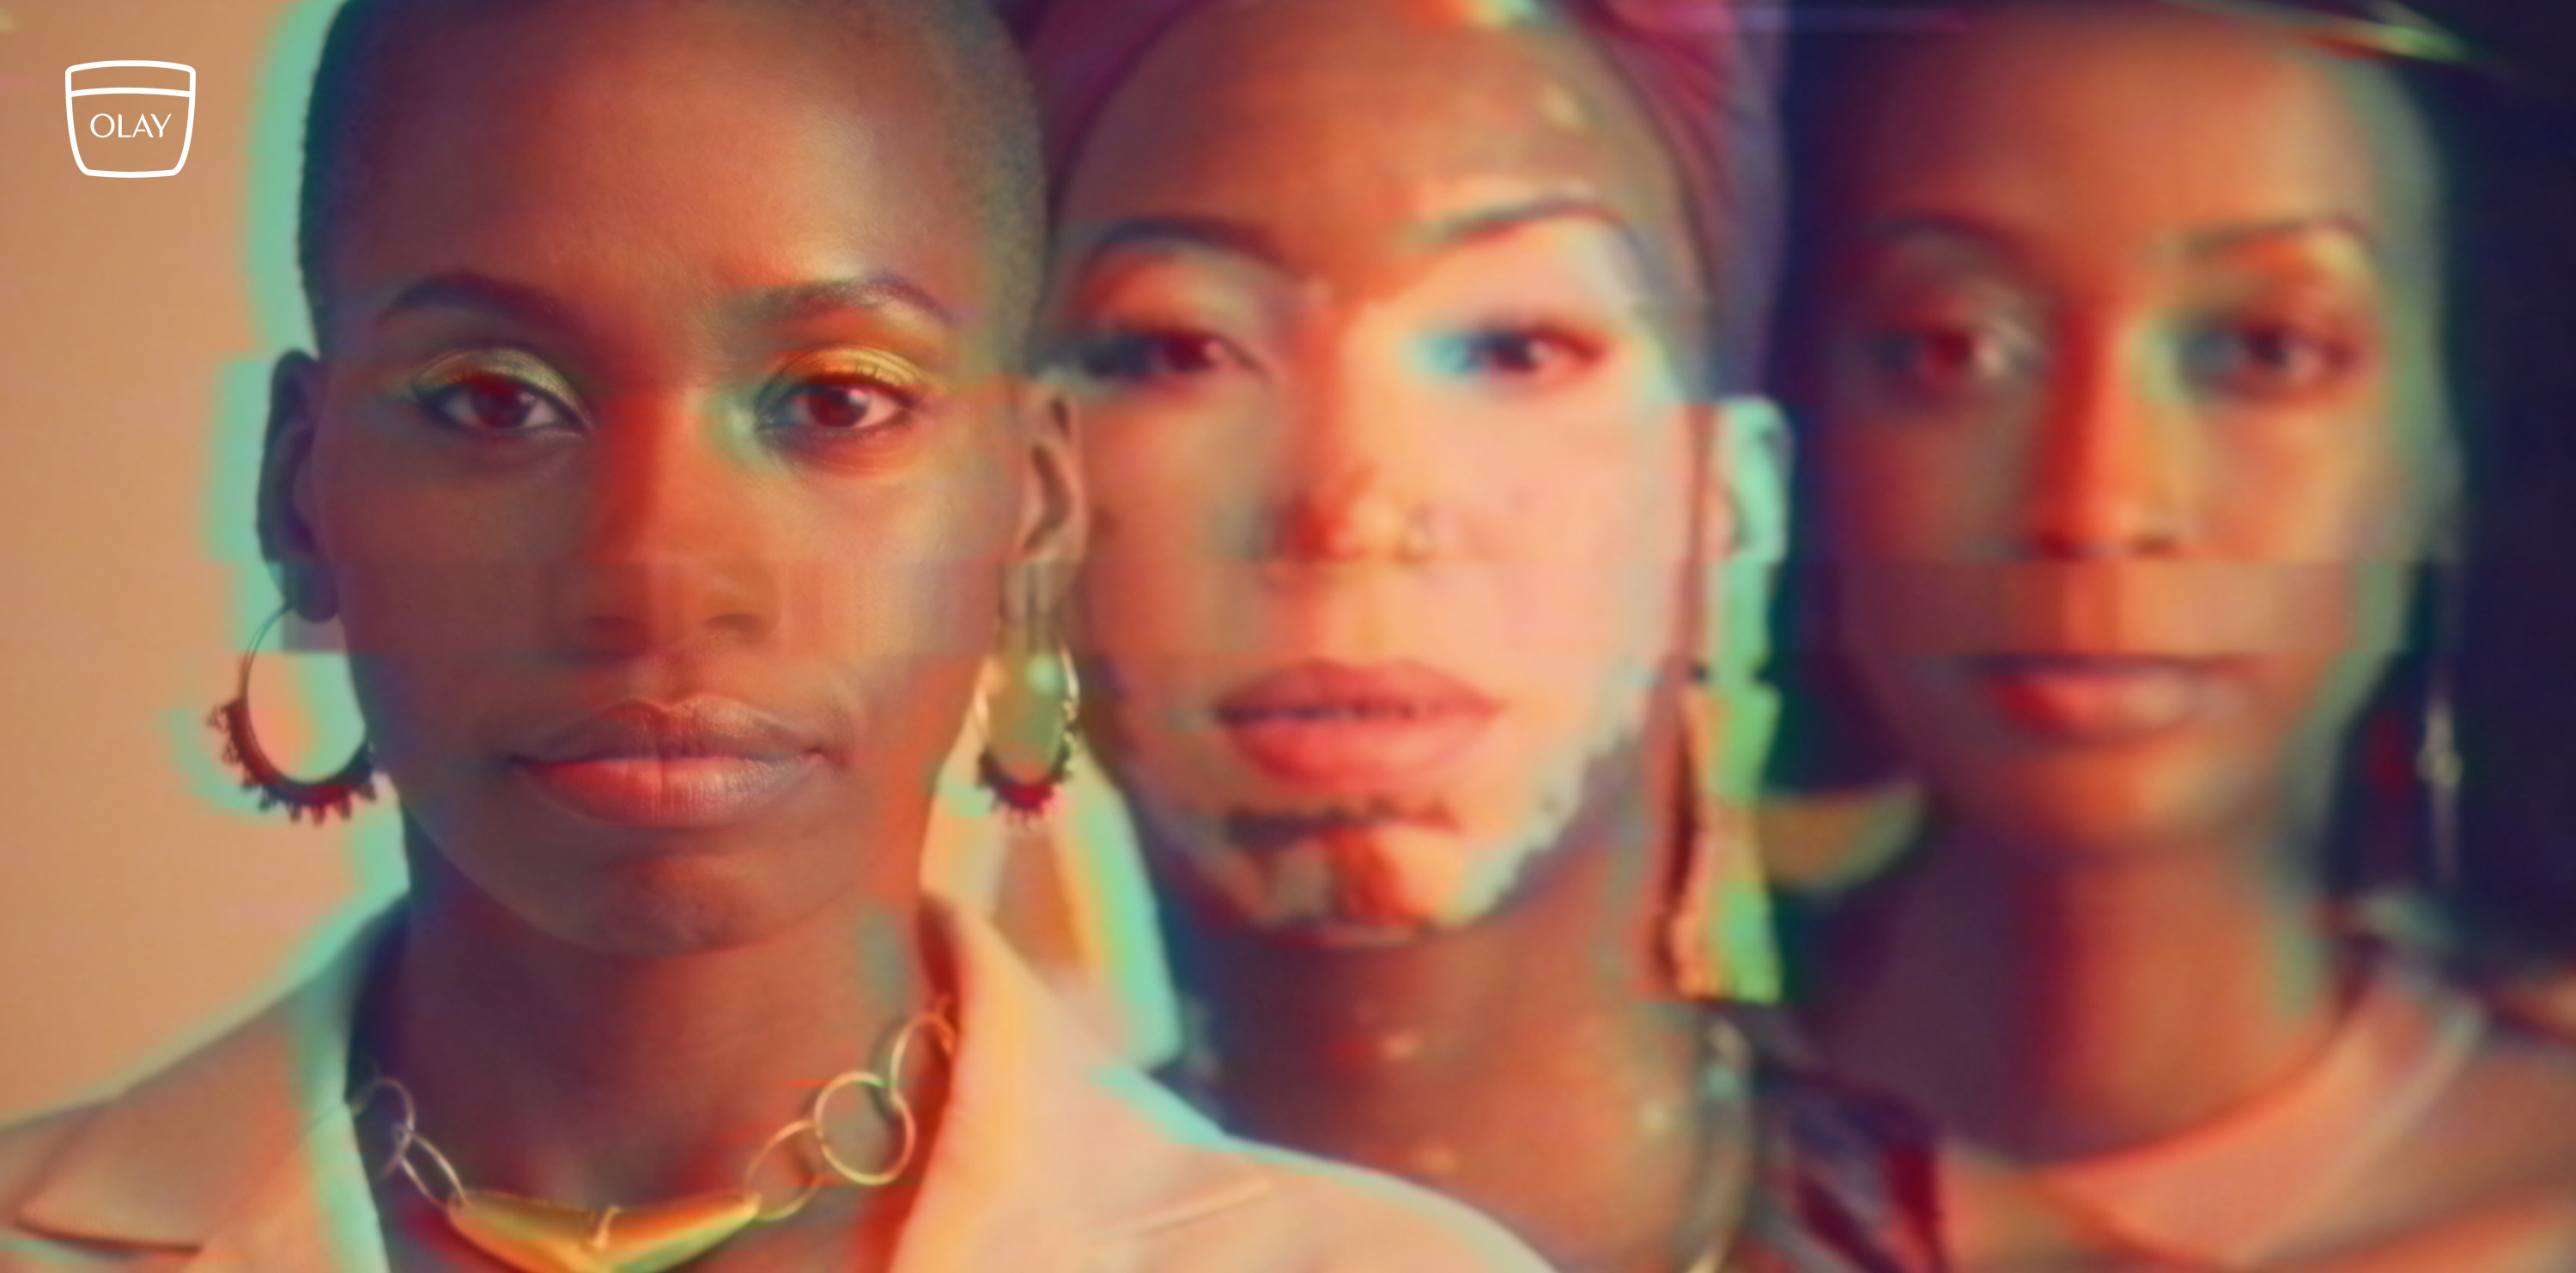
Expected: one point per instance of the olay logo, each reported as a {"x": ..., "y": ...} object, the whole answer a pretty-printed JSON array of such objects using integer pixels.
[{"x": 130, "y": 119}]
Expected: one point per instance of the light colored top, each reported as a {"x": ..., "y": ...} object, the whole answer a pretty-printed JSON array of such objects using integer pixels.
[
  {"x": 1053, "y": 1158},
  {"x": 2235, "y": 1191},
  {"x": 2392, "y": 1102}
]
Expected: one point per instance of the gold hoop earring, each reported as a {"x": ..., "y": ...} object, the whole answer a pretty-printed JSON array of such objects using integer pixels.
[{"x": 336, "y": 793}]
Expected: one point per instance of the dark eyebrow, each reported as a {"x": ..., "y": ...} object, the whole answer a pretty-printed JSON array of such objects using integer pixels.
[
  {"x": 2229, "y": 238},
  {"x": 466, "y": 289},
  {"x": 1984, "y": 236},
  {"x": 1250, "y": 241},
  {"x": 1995, "y": 240},
  {"x": 1486, "y": 223},
  {"x": 1216, "y": 233},
  {"x": 872, "y": 293}
]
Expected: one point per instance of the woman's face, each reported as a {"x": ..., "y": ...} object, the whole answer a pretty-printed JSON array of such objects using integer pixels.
[
  {"x": 2127, "y": 431},
  {"x": 661, "y": 465},
  {"x": 1393, "y": 470}
]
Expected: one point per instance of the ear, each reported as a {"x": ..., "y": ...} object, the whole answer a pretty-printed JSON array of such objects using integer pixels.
[
  {"x": 285, "y": 502},
  {"x": 1746, "y": 525},
  {"x": 1054, "y": 519},
  {"x": 1749, "y": 480}
]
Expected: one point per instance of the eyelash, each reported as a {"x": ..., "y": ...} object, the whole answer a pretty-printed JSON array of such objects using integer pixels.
[
  {"x": 1140, "y": 357},
  {"x": 2217, "y": 357},
  {"x": 2320, "y": 356},
  {"x": 1146, "y": 356},
  {"x": 1467, "y": 352},
  {"x": 463, "y": 391},
  {"x": 879, "y": 376},
  {"x": 1972, "y": 356},
  {"x": 468, "y": 380}
]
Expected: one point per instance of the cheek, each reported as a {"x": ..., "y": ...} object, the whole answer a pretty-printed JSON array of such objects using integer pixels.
[
  {"x": 913, "y": 574},
  {"x": 1166, "y": 589},
  {"x": 1590, "y": 535},
  {"x": 2312, "y": 490},
  {"x": 1171, "y": 527},
  {"x": 429, "y": 573},
  {"x": 1911, "y": 491},
  {"x": 2325, "y": 519}
]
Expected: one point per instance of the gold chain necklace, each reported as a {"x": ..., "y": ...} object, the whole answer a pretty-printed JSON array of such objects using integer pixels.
[{"x": 537, "y": 1236}]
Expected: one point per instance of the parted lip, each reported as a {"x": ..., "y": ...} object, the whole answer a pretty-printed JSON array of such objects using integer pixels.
[{"x": 699, "y": 727}]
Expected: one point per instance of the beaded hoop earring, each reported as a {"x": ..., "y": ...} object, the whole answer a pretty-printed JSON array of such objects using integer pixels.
[
  {"x": 1026, "y": 713},
  {"x": 336, "y": 793}
]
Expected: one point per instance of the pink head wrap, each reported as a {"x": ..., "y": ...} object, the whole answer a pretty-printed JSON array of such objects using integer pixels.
[{"x": 1704, "y": 77}]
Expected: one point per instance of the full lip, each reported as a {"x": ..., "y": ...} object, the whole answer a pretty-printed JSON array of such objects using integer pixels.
[
  {"x": 1338, "y": 726},
  {"x": 2094, "y": 698},
  {"x": 703, "y": 761}
]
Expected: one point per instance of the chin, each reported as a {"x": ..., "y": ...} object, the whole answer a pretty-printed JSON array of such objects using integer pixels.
[
  {"x": 2088, "y": 804},
  {"x": 686, "y": 905},
  {"x": 1373, "y": 875}
]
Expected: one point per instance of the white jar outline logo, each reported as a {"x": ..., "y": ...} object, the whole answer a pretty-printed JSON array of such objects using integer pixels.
[{"x": 72, "y": 111}]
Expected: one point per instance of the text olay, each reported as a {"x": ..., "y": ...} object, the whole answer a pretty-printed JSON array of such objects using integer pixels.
[{"x": 114, "y": 126}]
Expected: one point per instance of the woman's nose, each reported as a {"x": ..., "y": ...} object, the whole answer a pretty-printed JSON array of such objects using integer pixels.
[
  {"x": 1356, "y": 477},
  {"x": 675, "y": 551},
  {"x": 2110, "y": 468}
]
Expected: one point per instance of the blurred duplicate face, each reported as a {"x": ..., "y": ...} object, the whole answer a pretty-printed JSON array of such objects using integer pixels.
[
  {"x": 661, "y": 459},
  {"x": 1362, "y": 308},
  {"x": 2129, "y": 431}
]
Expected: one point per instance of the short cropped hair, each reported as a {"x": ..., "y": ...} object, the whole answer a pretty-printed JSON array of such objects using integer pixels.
[{"x": 990, "y": 104}]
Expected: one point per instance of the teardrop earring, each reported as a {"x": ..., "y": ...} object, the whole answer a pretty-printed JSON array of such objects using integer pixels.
[
  {"x": 2438, "y": 766},
  {"x": 1717, "y": 937},
  {"x": 1026, "y": 713}
]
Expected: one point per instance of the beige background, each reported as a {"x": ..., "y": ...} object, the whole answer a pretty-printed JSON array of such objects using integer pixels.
[{"x": 143, "y": 903}]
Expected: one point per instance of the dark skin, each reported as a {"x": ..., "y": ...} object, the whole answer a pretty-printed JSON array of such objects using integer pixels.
[
  {"x": 591, "y": 434},
  {"x": 2130, "y": 439},
  {"x": 2119, "y": 461}
]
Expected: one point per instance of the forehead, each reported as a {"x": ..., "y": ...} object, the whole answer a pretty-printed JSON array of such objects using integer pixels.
[
  {"x": 600, "y": 148},
  {"x": 1326, "y": 119},
  {"x": 2126, "y": 123}
]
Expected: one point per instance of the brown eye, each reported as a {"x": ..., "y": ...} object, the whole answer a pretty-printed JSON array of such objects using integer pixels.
[
  {"x": 1139, "y": 358},
  {"x": 845, "y": 395},
  {"x": 1943, "y": 361},
  {"x": 495, "y": 392},
  {"x": 1518, "y": 355},
  {"x": 2268, "y": 360},
  {"x": 487, "y": 403},
  {"x": 838, "y": 406}
]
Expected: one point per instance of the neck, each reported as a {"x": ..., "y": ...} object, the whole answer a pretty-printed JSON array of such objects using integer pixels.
[
  {"x": 2056, "y": 1001},
  {"x": 1447, "y": 1059},
  {"x": 590, "y": 1078}
]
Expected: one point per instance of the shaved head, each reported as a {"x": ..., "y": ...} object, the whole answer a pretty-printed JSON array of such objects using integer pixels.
[{"x": 379, "y": 63}]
